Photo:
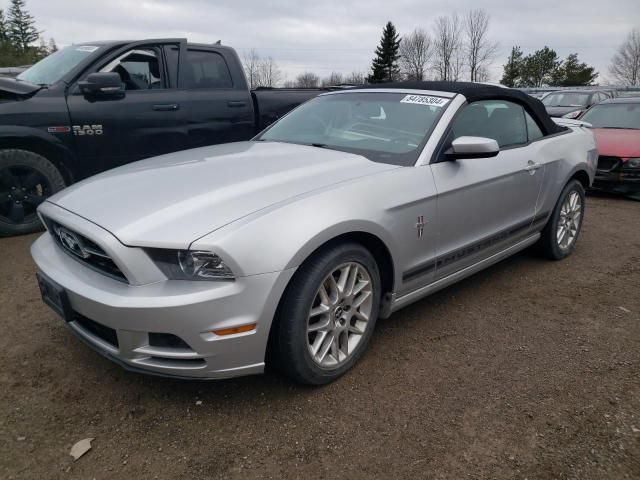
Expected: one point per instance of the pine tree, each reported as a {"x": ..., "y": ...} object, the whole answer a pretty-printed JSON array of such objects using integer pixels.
[
  {"x": 513, "y": 68},
  {"x": 4, "y": 33},
  {"x": 385, "y": 65},
  {"x": 21, "y": 26},
  {"x": 572, "y": 73},
  {"x": 53, "y": 48}
]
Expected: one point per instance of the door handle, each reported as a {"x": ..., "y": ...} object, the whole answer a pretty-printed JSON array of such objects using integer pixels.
[
  {"x": 236, "y": 104},
  {"x": 532, "y": 167},
  {"x": 170, "y": 107}
]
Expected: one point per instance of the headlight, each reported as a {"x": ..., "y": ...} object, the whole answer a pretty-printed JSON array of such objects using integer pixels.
[
  {"x": 570, "y": 115},
  {"x": 190, "y": 265},
  {"x": 633, "y": 163}
]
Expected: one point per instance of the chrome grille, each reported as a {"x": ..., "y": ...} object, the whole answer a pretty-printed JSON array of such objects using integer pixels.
[
  {"x": 84, "y": 250},
  {"x": 606, "y": 164}
]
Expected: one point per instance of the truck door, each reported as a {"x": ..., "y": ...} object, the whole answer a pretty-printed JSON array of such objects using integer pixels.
[
  {"x": 146, "y": 120},
  {"x": 218, "y": 104}
]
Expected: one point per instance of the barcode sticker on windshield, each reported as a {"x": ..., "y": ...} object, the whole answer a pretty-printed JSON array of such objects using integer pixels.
[
  {"x": 87, "y": 48},
  {"x": 425, "y": 100}
]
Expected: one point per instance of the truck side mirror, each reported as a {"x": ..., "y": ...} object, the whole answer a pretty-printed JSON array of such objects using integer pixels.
[{"x": 103, "y": 83}]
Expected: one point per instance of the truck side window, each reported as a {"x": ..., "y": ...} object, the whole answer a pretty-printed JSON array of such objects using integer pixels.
[
  {"x": 139, "y": 69},
  {"x": 206, "y": 70}
]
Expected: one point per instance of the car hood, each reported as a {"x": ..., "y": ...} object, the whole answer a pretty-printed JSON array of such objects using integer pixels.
[
  {"x": 560, "y": 111},
  {"x": 16, "y": 87},
  {"x": 617, "y": 142},
  {"x": 172, "y": 200}
]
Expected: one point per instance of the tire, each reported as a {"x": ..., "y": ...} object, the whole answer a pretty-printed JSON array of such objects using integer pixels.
[
  {"x": 26, "y": 180},
  {"x": 553, "y": 246},
  {"x": 342, "y": 320}
]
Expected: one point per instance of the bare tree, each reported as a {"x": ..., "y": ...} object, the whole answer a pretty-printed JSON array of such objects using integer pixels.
[
  {"x": 625, "y": 65},
  {"x": 269, "y": 75},
  {"x": 260, "y": 72},
  {"x": 447, "y": 42},
  {"x": 415, "y": 52},
  {"x": 307, "y": 80},
  {"x": 355, "y": 78},
  {"x": 251, "y": 63},
  {"x": 335, "y": 78},
  {"x": 478, "y": 49}
]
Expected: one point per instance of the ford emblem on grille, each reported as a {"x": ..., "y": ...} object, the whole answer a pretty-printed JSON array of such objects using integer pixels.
[{"x": 71, "y": 242}]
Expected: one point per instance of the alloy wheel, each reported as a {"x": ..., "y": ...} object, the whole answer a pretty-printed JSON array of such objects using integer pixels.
[
  {"x": 339, "y": 315},
  {"x": 569, "y": 220},
  {"x": 22, "y": 189}
]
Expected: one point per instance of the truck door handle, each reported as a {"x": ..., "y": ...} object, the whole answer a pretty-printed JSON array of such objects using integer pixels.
[
  {"x": 235, "y": 104},
  {"x": 169, "y": 107},
  {"x": 532, "y": 167}
]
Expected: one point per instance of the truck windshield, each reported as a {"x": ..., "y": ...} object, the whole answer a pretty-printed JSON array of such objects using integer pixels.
[
  {"x": 383, "y": 127},
  {"x": 51, "y": 69}
]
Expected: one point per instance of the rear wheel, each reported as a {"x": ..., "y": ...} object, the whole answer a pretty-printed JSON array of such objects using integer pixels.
[
  {"x": 560, "y": 235},
  {"x": 328, "y": 314},
  {"x": 26, "y": 180}
]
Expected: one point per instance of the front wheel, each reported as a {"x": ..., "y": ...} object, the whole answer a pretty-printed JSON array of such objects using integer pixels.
[
  {"x": 560, "y": 235},
  {"x": 26, "y": 180},
  {"x": 328, "y": 314}
]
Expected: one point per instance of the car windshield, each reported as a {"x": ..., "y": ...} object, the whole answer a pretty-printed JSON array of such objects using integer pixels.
[
  {"x": 51, "y": 69},
  {"x": 567, "y": 99},
  {"x": 614, "y": 115},
  {"x": 383, "y": 127}
]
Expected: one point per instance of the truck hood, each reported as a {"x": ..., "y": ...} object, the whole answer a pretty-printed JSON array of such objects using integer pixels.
[
  {"x": 618, "y": 142},
  {"x": 172, "y": 200},
  {"x": 15, "y": 87}
]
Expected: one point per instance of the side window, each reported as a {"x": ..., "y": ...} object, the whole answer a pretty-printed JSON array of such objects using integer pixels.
[
  {"x": 532, "y": 128},
  {"x": 501, "y": 120},
  {"x": 139, "y": 69},
  {"x": 206, "y": 70}
]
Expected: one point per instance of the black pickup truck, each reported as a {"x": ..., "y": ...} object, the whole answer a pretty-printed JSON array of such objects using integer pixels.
[{"x": 94, "y": 106}]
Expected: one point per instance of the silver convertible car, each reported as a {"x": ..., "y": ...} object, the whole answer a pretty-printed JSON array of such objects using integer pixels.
[{"x": 285, "y": 250}]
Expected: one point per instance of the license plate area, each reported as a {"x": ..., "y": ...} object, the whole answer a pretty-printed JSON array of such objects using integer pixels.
[{"x": 54, "y": 296}]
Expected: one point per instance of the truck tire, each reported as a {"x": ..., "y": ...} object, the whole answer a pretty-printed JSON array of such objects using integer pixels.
[
  {"x": 26, "y": 180},
  {"x": 328, "y": 314}
]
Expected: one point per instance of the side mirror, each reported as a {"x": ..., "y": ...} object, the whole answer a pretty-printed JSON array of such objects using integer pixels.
[
  {"x": 472, "y": 147},
  {"x": 103, "y": 83}
]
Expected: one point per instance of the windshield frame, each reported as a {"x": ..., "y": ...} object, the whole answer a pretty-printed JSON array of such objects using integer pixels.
[{"x": 417, "y": 154}]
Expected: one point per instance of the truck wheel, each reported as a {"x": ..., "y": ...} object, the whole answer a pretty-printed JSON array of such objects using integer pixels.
[
  {"x": 560, "y": 235},
  {"x": 26, "y": 180},
  {"x": 328, "y": 314}
]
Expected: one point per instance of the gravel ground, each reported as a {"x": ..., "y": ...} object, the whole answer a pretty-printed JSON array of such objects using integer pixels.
[{"x": 530, "y": 369}]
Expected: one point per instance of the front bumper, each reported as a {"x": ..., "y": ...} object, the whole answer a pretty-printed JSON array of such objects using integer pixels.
[
  {"x": 619, "y": 181},
  {"x": 121, "y": 321}
]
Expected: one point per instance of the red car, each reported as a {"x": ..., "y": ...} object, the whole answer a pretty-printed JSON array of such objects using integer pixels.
[{"x": 616, "y": 126}]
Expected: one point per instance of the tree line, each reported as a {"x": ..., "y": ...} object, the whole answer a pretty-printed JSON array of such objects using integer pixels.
[{"x": 21, "y": 42}]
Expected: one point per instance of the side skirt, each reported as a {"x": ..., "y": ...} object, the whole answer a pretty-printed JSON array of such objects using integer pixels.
[{"x": 399, "y": 302}]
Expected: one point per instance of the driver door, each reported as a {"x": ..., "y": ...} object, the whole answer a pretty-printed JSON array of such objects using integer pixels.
[
  {"x": 145, "y": 121},
  {"x": 485, "y": 204}
]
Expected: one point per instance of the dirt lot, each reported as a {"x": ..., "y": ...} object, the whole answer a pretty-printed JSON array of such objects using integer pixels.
[{"x": 530, "y": 369}]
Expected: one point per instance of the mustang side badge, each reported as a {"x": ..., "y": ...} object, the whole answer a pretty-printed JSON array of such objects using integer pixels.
[{"x": 420, "y": 224}]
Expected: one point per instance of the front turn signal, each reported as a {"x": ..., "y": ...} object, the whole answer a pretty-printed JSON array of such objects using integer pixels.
[{"x": 232, "y": 331}]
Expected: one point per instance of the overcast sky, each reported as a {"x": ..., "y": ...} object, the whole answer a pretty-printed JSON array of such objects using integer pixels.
[{"x": 340, "y": 35}]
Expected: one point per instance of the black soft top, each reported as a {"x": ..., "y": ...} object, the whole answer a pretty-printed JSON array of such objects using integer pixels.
[{"x": 474, "y": 92}]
